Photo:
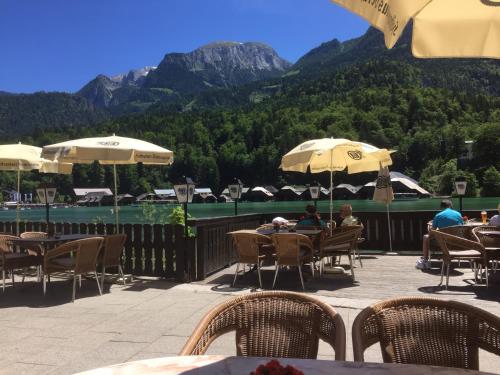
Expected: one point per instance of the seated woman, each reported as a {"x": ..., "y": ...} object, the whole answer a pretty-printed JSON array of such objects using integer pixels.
[
  {"x": 311, "y": 218},
  {"x": 346, "y": 217}
]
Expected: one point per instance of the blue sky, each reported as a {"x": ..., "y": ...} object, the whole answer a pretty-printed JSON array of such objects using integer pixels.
[{"x": 59, "y": 45}]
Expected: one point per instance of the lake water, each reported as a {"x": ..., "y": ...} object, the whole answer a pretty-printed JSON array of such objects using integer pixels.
[{"x": 135, "y": 214}]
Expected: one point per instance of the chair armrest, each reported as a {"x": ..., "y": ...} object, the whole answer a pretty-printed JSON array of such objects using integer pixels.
[
  {"x": 63, "y": 249},
  {"x": 306, "y": 242}
]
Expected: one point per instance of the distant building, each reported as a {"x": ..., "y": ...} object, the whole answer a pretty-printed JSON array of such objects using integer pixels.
[
  {"x": 290, "y": 193},
  {"x": 259, "y": 194},
  {"x": 345, "y": 191},
  {"x": 93, "y": 196}
]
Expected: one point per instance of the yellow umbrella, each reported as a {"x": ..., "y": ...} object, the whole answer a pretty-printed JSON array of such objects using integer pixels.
[
  {"x": 441, "y": 28},
  {"x": 19, "y": 157},
  {"x": 335, "y": 154},
  {"x": 112, "y": 150}
]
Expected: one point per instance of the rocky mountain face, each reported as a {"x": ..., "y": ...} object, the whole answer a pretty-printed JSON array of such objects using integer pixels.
[
  {"x": 216, "y": 65},
  {"x": 101, "y": 90}
]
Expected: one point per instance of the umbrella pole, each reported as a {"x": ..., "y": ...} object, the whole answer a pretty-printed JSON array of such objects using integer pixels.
[
  {"x": 331, "y": 202},
  {"x": 17, "y": 200},
  {"x": 389, "y": 226},
  {"x": 117, "y": 219}
]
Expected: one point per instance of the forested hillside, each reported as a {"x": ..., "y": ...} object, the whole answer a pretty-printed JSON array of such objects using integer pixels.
[{"x": 379, "y": 102}]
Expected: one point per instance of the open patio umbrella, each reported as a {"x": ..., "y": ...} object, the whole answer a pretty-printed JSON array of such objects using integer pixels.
[
  {"x": 441, "y": 28},
  {"x": 22, "y": 158},
  {"x": 335, "y": 154},
  {"x": 112, "y": 150},
  {"x": 383, "y": 193}
]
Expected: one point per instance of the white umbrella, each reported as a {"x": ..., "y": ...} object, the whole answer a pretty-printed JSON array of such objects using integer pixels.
[
  {"x": 383, "y": 193},
  {"x": 335, "y": 154},
  {"x": 112, "y": 150},
  {"x": 22, "y": 158}
]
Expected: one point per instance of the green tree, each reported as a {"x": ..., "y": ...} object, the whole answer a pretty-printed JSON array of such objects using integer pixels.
[{"x": 491, "y": 183}]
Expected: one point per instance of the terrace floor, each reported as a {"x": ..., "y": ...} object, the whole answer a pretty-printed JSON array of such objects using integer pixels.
[{"x": 152, "y": 318}]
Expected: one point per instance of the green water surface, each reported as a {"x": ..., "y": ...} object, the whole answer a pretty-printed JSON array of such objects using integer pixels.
[{"x": 134, "y": 214}]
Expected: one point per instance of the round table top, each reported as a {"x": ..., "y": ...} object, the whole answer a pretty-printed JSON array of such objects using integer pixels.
[{"x": 221, "y": 365}]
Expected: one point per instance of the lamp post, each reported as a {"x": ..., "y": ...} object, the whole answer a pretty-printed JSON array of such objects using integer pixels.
[
  {"x": 235, "y": 191},
  {"x": 184, "y": 192},
  {"x": 314, "y": 190},
  {"x": 460, "y": 187},
  {"x": 46, "y": 194}
]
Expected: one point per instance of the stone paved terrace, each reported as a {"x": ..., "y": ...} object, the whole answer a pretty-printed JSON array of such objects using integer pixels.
[{"x": 153, "y": 318}]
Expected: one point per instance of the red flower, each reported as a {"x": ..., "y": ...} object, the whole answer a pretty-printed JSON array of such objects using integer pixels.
[{"x": 273, "y": 367}]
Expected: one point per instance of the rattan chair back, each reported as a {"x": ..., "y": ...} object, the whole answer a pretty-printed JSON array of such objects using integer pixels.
[
  {"x": 113, "y": 250},
  {"x": 6, "y": 243},
  {"x": 487, "y": 241},
  {"x": 464, "y": 231},
  {"x": 287, "y": 248},
  {"x": 29, "y": 235},
  {"x": 248, "y": 244},
  {"x": 272, "y": 324},
  {"x": 426, "y": 331},
  {"x": 86, "y": 256},
  {"x": 342, "y": 240},
  {"x": 451, "y": 243}
]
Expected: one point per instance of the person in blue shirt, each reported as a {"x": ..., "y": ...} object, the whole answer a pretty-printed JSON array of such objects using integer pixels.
[
  {"x": 446, "y": 218},
  {"x": 311, "y": 218}
]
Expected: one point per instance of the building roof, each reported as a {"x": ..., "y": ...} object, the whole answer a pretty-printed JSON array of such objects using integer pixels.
[
  {"x": 80, "y": 192},
  {"x": 262, "y": 190},
  {"x": 353, "y": 189},
  {"x": 165, "y": 192}
]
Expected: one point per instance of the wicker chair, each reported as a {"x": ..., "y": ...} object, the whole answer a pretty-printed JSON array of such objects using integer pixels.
[
  {"x": 249, "y": 246},
  {"x": 490, "y": 243},
  {"x": 341, "y": 242},
  {"x": 84, "y": 260},
  {"x": 292, "y": 249},
  {"x": 458, "y": 248},
  {"x": 426, "y": 331},
  {"x": 111, "y": 255},
  {"x": 272, "y": 324},
  {"x": 10, "y": 260},
  {"x": 464, "y": 231}
]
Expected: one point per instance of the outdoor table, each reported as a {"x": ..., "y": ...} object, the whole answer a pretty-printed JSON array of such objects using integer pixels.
[
  {"x": 51, "y": 241},
  {"x": 492, "y": 233},
  {"x": 221, "y": 365}
]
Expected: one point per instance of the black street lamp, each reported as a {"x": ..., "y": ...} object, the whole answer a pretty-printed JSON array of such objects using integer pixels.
[
  {"x": 184, "y": 191},
  {"x": 460, "y": 187},
  {"x": 235, "y": 191},
  {"x": 314, "y": 190},
  {"x": 46, "y": 194}
]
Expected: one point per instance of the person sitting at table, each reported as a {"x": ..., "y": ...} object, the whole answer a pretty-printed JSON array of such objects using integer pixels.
[
  {"x": 311, "y": 218},
  {"x": 495, "y": 220},
  {"x": 446, "y": 218},
  {"x": 345, "y": 216}
]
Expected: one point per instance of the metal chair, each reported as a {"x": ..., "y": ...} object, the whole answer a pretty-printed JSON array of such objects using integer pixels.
[
  {"x": 249, "y": 247},
  {"x": 490, "y": 243},
  {"x": 458, "y": 248},
  {"x": 10, "y": 260},
  {"x": 111, "y": 255},
  {"x": 426, "y": 331},
  {"x": 342, "y": 242},
  {"x": 84, "y": 260},
  {"x": 272, "y": 324},
  {"x": 292, "y": 249}
]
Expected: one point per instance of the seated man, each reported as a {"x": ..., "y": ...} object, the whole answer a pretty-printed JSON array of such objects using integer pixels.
[
  {"x": 446, "y": 218},
  {"x": 311, "y": 218}
]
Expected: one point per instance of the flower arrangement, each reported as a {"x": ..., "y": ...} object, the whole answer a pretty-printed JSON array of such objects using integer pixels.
[{"x": 273, "y": 367}]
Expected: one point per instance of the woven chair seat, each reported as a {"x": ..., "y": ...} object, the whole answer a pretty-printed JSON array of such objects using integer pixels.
[
  {"x": 466, "y": 254},
  {"x": 65, "y": 262}
]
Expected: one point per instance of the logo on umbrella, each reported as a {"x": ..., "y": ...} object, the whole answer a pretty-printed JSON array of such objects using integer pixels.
[
  {"x": 491, "y": 3},
  {"x": 383, "y": 182},
  {"x": 355, "y": 155},
  {"x": 108, "y": 143}
]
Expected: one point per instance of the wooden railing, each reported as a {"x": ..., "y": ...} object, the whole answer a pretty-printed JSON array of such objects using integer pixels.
[{"x": 163, "y": 251}]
